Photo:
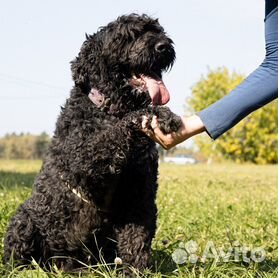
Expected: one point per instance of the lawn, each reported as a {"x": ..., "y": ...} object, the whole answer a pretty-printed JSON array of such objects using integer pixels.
[{"x": 213, "y": 221}]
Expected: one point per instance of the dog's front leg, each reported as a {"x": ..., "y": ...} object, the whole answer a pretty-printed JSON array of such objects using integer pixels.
[
  {"x": 101, "y": 154},
  {"x": 134, "y": 245}
]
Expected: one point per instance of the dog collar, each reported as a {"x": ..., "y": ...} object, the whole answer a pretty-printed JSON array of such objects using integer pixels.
[
  {"x": 77, "y": 193},
  {"x": 96, "y": 97},
  {"x": 73, "y": 190}
]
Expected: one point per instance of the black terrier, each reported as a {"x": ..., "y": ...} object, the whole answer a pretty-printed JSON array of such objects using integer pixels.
[{"x": 95, "y": 193}]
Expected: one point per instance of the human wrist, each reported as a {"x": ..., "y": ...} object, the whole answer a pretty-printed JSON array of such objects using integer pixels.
[{"x": 192, "y": 125}]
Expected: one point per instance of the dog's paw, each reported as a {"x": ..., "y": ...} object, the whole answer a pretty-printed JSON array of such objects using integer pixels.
[
  {"x": 167, "y": 120},
  {"x": 134, "y": 119}
]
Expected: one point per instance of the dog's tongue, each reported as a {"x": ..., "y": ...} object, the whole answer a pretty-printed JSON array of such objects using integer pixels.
[{"x": 157, "y": 90}]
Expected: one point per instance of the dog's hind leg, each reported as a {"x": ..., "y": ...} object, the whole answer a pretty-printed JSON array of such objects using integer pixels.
[{"x": 22, "y": 241}]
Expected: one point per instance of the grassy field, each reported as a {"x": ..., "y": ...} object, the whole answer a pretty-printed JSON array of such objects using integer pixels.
[{"x": 214, "y": 221}]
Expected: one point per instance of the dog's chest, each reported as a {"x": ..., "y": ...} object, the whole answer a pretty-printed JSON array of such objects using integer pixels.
[{"x": 140, "y": 170}]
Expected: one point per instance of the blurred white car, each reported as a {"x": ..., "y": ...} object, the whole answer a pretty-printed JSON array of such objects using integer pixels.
[{"x": 180, "y": 159}]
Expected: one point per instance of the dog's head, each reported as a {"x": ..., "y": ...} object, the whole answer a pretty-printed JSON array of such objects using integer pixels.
[{"x": 132, "y": 51}]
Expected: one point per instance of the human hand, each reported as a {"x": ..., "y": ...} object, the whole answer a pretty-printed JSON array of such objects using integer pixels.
[{"x": 190, "y": 126}]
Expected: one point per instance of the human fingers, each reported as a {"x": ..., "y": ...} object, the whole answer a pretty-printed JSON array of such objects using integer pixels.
[
  {"x": 157, "y": 135},
  {"x": 145, "y": 129},
  {"x": 145, "y": 121},
  {"x": 154, "y": 123}
]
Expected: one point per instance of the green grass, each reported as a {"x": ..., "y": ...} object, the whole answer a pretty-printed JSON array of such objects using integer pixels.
[{"x": 228, "y": 206}]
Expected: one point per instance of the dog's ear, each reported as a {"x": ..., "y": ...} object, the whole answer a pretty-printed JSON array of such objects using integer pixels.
[
  {"x": 79, "y": 74},
  {"x": 83, "y": 65}
]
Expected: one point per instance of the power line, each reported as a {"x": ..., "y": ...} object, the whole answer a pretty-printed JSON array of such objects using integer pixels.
[
  {"x": 39, "y": 97},
  {"x": 17, "y": 80}
]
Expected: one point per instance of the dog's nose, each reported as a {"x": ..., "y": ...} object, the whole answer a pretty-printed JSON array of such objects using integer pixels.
[{"x": 160, "y": 47}]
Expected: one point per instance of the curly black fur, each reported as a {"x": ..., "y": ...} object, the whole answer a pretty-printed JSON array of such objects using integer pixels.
[{"x": 100, "y": 154}]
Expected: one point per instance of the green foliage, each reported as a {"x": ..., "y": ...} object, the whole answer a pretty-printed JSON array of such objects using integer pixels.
[
  {"x": 254, "y": 139},
  {"x": 23, "y": 146},
  {"x": 219, "y": 203}
]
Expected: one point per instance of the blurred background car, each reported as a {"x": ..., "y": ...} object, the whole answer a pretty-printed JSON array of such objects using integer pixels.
[{"x": 180, "y": 159}]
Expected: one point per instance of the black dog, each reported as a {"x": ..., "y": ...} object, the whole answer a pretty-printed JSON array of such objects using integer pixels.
[{"x": 95, "y": 194}]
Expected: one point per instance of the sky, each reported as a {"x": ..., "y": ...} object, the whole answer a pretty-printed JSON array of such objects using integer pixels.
[{"x": 40, "y": 38}]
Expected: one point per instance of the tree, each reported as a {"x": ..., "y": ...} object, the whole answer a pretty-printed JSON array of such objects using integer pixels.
[
  {"x": 41, "y": 145},
  {"x": 254, "y": 139},
  {"x": 23, "y": 146}
]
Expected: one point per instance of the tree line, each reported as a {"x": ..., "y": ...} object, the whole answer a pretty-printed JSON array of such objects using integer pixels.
[{"x": 23, "y": 146}]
